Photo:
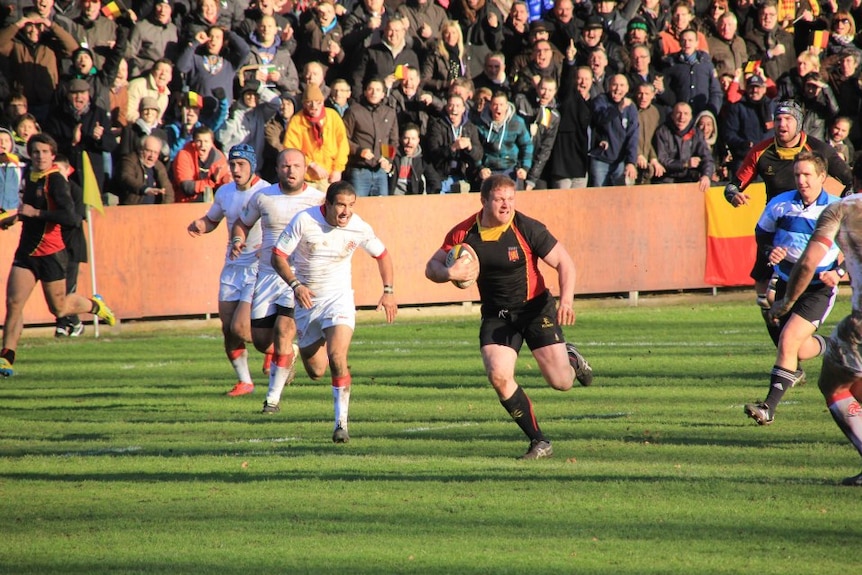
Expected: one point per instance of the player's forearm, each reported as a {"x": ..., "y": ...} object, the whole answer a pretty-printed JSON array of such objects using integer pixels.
[
  {"x": 386, "y": 269},
  {"x": 436, "y": 270},
  {"x": 566, "y": 277},
  {"x": 282, "y": 268},
  {"x": 239, "y": 231}
]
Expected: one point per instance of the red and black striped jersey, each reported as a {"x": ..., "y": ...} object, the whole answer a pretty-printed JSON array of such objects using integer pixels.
[
  {"x": 774, "y": 164},
  {"x": 43, "y": 236},
  {"x": 509, "y": 257}
]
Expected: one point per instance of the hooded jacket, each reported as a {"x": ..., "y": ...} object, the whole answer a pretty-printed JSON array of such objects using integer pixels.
[
  {"x": 675, "y": 148},
  {"x": 507, "y": 144},
  {"x": 543, "y": 122}
]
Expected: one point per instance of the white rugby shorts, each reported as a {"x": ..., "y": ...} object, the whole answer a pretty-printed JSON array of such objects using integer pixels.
[
  {"x": 236, "y": 283},
  {"x": 269, "y": 291},
  {"x": 337, "y": 309}
]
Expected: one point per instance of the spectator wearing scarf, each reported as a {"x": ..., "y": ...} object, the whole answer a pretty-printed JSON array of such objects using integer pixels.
[{"x": 319, "y": 133}]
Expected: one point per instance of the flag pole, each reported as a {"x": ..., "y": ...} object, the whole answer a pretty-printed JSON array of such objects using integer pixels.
[
  {"x": 92, "y": 199},
  {"x": 91, "y": 257}
]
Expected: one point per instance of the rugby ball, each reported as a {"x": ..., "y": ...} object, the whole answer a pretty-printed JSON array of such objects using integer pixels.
[{"x": 457, "y": 252}]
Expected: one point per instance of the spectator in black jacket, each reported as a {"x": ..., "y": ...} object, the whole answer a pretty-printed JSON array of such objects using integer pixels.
[
  {"x": 748, "y": 121},
  {"x": 494, "y": 75},
  {"x": 539, "y": 111},
  {"x": 453, "y": 147},
  {"x": 410, "y": 173},
  {"x": 383, "y": 59},
  {"x": 482, "y": 25},
  {"x": 413, "y": 105},
  {"x": 820, "y": 106},
  {"x": 682, "y": 150},
  {"x": 568, "y": 165},
  {"x": 80, "y": 126}
]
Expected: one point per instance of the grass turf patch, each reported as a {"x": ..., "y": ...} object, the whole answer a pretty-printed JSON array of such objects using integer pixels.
[{"x": 123, "y": 456}]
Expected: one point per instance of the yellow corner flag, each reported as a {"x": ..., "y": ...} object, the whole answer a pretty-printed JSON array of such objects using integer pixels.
[{"x": 92, "y": 194}]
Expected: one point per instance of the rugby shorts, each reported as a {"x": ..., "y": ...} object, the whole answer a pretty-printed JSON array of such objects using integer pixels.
[
  {"x": 535, "y": 323},
  {"x": 47, "y": 269},
  {"x": 270, "y": 291},
  {"x": 326, "y": 312}
]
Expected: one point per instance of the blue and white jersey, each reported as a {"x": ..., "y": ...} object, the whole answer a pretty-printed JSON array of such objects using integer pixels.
[{"x": 789, "y": 223}]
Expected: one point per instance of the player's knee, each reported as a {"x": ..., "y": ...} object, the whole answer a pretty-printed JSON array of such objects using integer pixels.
[
  {"x": 57, "y": 309},
  {"x": 239, "y": 332},
  {"x": 500, "y": 380},
  {"x": 563, "y": 382},
  {"x": 261, "y": 344},
  {"x": 338, "y": 362},
  {"x": 315, "y": 373}
]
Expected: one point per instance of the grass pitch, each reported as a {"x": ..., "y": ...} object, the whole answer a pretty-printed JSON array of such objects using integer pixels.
[{"x": 123, "y": 456}]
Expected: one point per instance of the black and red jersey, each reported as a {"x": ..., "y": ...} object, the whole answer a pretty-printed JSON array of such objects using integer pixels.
[
  {"x": 774, "y": 164},
  {"x": 43, "y": 236},
  {"x": 509, "y": 256}
]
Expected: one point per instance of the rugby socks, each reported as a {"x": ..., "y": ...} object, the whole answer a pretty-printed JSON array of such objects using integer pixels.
[
  {"x": 779, "y": 382},
  {"x": 847, "y": 414},
  {"x": 774, "y": 330},
  {"x": 239, "y": 360},
  {"x": 520, "y": 408},
  {"x": 282, "y": 363},
  {"x": 8, "y": 355},
  {"x": 341, "y": 399},
  {"x": 267, "y": 360},
  {"x": 822, "y": 341}
]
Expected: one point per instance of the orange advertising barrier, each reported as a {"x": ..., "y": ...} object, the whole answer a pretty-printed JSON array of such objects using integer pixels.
[{"x": 622, "y": 239}]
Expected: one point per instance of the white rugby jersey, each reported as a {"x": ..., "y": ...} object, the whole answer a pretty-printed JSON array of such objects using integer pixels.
[
  {"x": 228, "y": 203},
  {"x": 321, "y": 253},
  {"x": 275, "y": 209}
]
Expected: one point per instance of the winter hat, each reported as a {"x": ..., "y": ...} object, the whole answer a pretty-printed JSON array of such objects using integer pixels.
[
  {"x": 594, "y": 22},
  {"x": 244, "y": 152},
  {"x": 83, "y": 48},
  {"x": 148, "y": 103},
  {"x": 250, "y": 86},
  {"x": 638, "y": 23},
  {"x": 312, "y": 94},
  {"x": 78, "y": 85},
  {"x": 755, "y": 80}
]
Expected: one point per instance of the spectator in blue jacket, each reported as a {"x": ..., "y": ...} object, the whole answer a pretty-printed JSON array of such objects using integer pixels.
[
  {"x": 691, "y": 77},
  {"x": 211, "y": 61},
  {"x": 506, "y": 140},
  {"x": 615, "y": 136},
  {"x": 748, "y": 121}
]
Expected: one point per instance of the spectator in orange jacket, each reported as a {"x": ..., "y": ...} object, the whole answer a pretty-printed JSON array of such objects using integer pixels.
[{"x": 199, "y": 168}]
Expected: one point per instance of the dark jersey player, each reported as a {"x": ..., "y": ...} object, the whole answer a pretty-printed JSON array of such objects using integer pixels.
[
  {"x": 516, "y": 304},
  {"x": 46, "y": 205},
  {"x": 772, "y": 160}
]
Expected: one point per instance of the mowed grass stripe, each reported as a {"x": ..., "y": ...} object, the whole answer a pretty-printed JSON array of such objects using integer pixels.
[{"x": 123, "y": 456}]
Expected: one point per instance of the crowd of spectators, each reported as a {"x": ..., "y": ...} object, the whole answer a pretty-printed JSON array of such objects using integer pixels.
[{"x": 420, "y": 96}]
